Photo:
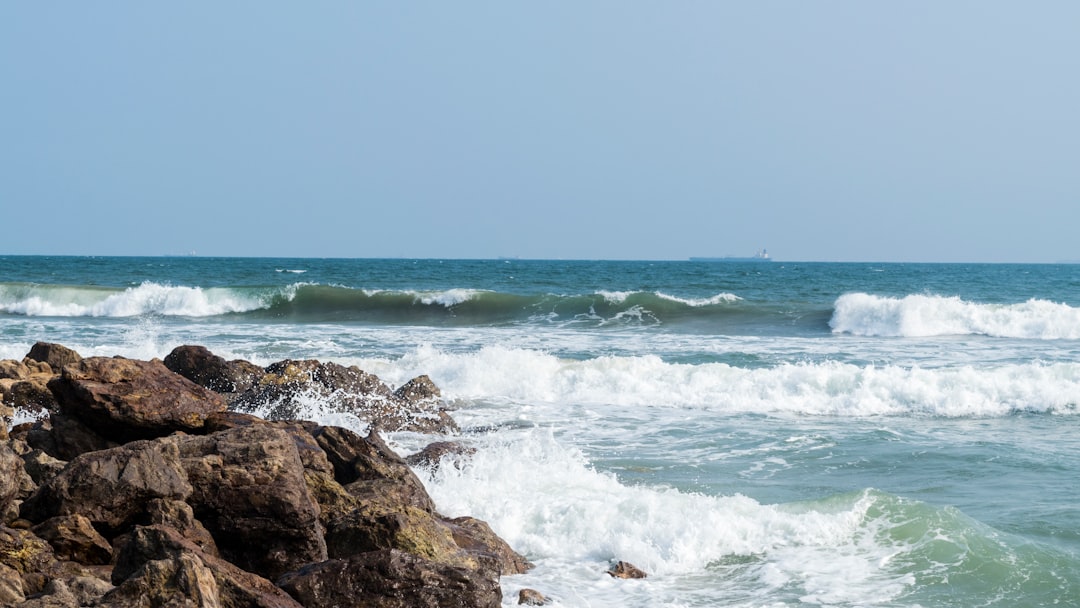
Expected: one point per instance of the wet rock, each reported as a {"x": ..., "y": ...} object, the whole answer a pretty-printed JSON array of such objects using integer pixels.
[
  {"x": 56, "y": 355},
  {"x": 198, "y": 364},
  {"x": 124, "y": 399},
  {"x": 301, "y": 431},
  {"x": 159, "y": 567},
  {"x": 432, "y": 455},
  {"x": 368, "y": 468},
  {"x": 72, "y": 537},
  {"x": 32, "y": 396},
  {"x": 389, "y": 579},
  {"x": 111, "y": 487},
  {"x": 250, "y": 493},
  {"x": 626, "y": 570},
  {"x": 477, "y": 537},
  {"x": 64, "y": 437},
  {"x": 532, "y": 597}
]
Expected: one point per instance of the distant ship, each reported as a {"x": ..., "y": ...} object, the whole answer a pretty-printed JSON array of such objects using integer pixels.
[{"x": 761, "y": 256}]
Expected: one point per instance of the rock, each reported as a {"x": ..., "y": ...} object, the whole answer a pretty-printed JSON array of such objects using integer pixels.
[
  {"x": 431, "y": 456},
  {"x": 532, "y": 597},
  {"x": 301, "y": 431},
  {"x": 32, "y": 395},
  {"x": 11, "y": 586},
  {"x": 23, "y": 552},
  {"x": 124, "y": 400},
  {"x": 477, "y": 537},
  {"x": 626, "y": 570},
  {"x": 368, "y": 468},
  {"x": 250, "y": 493},
  {"x": 64, "y": 437},
  {"x": 198, "y": 364},
  {"x": 389, "y": 579},
  {"x": 418, "y": 390},
  {"x": 159, "y": 567},
  {"x": 111, "y": 487},
  {"x": 286, "y": 385},
  {"x": 73, "y": 538},
  {"x": 11, "y": 470},
  {"x": 179, "y": 516},
  {"x": 9, "y": 368},
  {"x": 41, "y": 467},
  {"x": 56, "y": 355}
]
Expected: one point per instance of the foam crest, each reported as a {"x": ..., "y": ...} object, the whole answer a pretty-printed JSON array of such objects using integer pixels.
[
  {"x": 827, "y": 388},
  {"x": 147, "y": 298},
  {"x": 923, "y": 315},
  {"x": 448, "y": 298},
  {"x": 720, "y": 298}
]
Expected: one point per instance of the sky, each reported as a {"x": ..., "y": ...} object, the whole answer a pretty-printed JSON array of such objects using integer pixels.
[{"x": 918, "y": 131}]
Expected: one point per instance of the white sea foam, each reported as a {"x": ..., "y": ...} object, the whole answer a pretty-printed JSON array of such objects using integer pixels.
[
  {"x": 923, "y": 315},
  {"x": 575, "y": 521},
  {"x": 827, "y": 388},
  {"x": 147, "y": 298}
]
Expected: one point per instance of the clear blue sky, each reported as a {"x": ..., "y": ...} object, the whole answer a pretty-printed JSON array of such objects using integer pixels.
[{"x": 823, "y": 130}]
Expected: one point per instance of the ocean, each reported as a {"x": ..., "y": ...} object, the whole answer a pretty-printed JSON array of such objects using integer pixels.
[{"x": 749, "y": 434}]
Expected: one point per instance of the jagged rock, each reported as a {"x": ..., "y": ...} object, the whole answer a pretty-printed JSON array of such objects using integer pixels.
[
  {"x": 476, "y": 536},
  {"x": 432, "y": 455},
  {"x": 31, "y": 395},
  {"x": 56, "y": 355},
  {"x": 111, "y": 487},
  {"x": 532, "y": 597},
  {"x": 124, "y": 399},
  {"x": 286, "y": 385},
  {"x": 6, "y": 415},
  {"x": 10, "y": 368},
  {"x": 390, "y": 579},
  {"x": 64, "y": 438},
  {"x": 11, "y": 586},
  {"x": 198, "y": 364},
  {"x": 41, "y": 467},
  {"x": 301, "y": 431},
  {"x": 24, "y": 552},
  {"x": 626, "y": 570},
  {"x": 368, "y": 468},
  {"x": 72, "y": 537},
  {"x": 11, "y": 470},
  {"x": 249, "y": 491},
  {"x": 159, "y": 567},
  {"x": 179, "y": 516}
]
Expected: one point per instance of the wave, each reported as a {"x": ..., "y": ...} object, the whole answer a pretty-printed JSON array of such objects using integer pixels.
[
  {"x": 863, "y": 314},
  {"x": 312, "y": 302},
  {"x": 821, "y": 389}
]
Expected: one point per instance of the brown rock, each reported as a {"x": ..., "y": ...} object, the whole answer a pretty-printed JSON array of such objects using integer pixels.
[
  {"x": 179, "y": 516},
  {"x": 159, "y": 567},
  {"x": 32, "y": 395},
  {"x": 198, "y": 364},
  {"x": 11, "y": 586},
  {"x": 41, "y": 467},
  {"x": 56, "y": 355},
  {"x": 250, "y": 493},
  {"x": 10, "y": 368},
  {"x": 11, "y": 471},
  {"x": 64, "y": 437},
  {"x": 390, "y": 579},
  {"x": 123, "y": 399},
  {"x": 24, "y": 552},
  {"x": 73, "y": 538},
  {"x": 301, "y": 431},
  {"x": 532, "y": 597},
  {"x": 431, "y": 456},
  {"x": 369, "y": 469},
  {"x": 626, "y": 570},
  {"x": 477, "y": 537},
  {"x": 111, "y": 487},
  {"x": 418, "y": 390}
]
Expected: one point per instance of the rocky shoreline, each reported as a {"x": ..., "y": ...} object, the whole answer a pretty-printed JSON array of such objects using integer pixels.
[{"x": 151, "y": 483}]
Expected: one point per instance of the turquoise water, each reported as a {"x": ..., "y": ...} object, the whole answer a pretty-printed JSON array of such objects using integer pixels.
[{"x": 751, "y": 434}]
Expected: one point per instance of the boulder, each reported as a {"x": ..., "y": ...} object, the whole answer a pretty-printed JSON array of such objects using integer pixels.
[
  {"x": 11, "y": 586},
  {"x": 64, "y": 437},
  {"x": 390, "y": 579},
  {"x": 12, "y": 369},
  {"x": 159, "y": 567},
  {"x": 32, "y": 395},
  {"x": 25, "y": 553},
  {"x": 198, "y": 364},
  {"x": 476, "y": 536},
  {"x": 69, "y": 592},
  {"x": 369, "y": 469},
  {"x": 626, "y": 570},
  {"x": 179, "y": 516},
  {"x": 11, "y": 472},
  {"x": 56, "y": 355},
  {"x": 124, "y": 399},
  {"x": 41, "y": 467},
  {"x": 250, "y": 493},
  {"x": 432, "y": 455},
  {"x": 111, "y": 487},
  {"x": 301, "y": 431},
  {"x": 532, "y": 597},
  {"x": 72, "y": 537}
]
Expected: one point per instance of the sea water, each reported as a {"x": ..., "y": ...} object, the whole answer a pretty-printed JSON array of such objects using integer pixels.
[{"x": 749, "y": 434}]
